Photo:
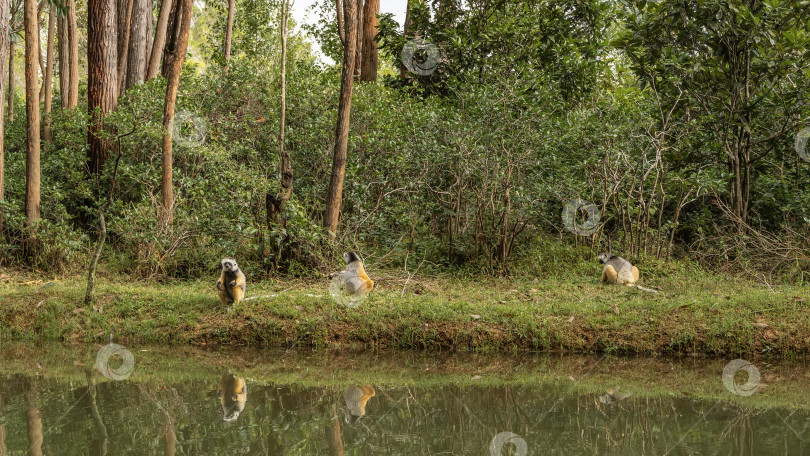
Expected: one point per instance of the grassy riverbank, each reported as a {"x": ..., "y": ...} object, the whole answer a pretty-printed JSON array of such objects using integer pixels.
[{"x": 694, "y": 313}]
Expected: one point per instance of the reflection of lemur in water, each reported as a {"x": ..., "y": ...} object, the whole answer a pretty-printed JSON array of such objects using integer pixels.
[
  {"x": 232, "y": 395},
  {"x": 231, "y": 285},
  {"x": 618, "y": 270},
  {"x": 355, "y": 279},
  {"x": 356, "y": 399}
]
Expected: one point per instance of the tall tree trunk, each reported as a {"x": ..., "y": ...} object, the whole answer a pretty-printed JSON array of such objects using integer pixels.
[
  {"x": 136, "y": 59},
  {"x": 150, "y": 35},
  {"x": 406, "y": 29},
  {"x": 175, "y": 18},
  {"x": 32, "y": 199},
  {"x": 11, "y": 52},
  {"x": 226, "y": 53},
  {"x": 73, "y": 44},
  {"x": 40, "y": 59},
  {"x": 368, "y": 72},
  {"x": 334, "y": 194},
  {"x": 174, "y": 62},
  {"x": 63, "y": 53},
  {"x": 160, "y": 39},
  {"x": 275, "y": 205},
  {"x": 102, "y": 75},
  {"x": 124, "y": 20},
  {"x": 5, "y": 30},
  {"x": 358, "y": 51},
  {"x": 48, "y": 82}
]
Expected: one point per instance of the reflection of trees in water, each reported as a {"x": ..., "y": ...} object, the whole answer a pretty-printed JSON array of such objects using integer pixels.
[
  {"x": 3, "y": 448},
  {"x": 185, "y": 417},
  {"x": 33, "y": 417}
]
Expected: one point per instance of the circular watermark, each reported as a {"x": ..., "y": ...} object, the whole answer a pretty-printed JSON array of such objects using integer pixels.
[
  {"x": 337, "y": 290},
  {"x": 500, "y": 440},
  {"x": 802, "y": 140},
  {"x": 420, "y": 57},
  {"x": 189, "y": 129},
  {"x": 751, "y": 384},
  {"x": 569, "y": 217},
  {"x": 103, "y": 362}
]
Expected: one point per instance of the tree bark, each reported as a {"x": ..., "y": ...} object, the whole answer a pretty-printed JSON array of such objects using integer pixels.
[
  {"x": 32, "y": 176},
  {"x": 340, "y": 27},
  {"x": 48, "y": 82},
  {"x": 174, "y": 62},
  {"x": 136, "y": 59},
  {"x": 368, "y": 70},
  {"x": 73, "y": 44},
  {"x": 150, "y": 35},
  {"x": 124, "y": 20},
  {"x": 226, "y": 53},
  {"x": 63, "y": 51},
  {"x": 40, "y": 59},
  {"x": 175, "y": 18},
  {"x": 160, "y": 39},
  {"x": 334, "y": 194},
  {"x": 5, "y": 30},
  {"x": 102, "y": 75},
  {"x": 358, "y": 51},
  {"x": 11, "y": 52},
  {"x": 406, "y": 28},
  {"x": 275, "y": 205}
]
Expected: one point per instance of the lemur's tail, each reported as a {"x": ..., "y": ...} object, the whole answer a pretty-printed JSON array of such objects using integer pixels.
[
  {"x": 260, "y": 297},
  {"x": 649, "y": 290}
]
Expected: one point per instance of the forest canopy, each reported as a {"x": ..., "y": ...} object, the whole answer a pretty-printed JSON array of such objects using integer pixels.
[{"x": 681, "y": 125}]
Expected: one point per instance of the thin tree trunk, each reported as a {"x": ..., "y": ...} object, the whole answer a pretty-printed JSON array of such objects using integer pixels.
[
  {"x": 174, "y": 61},
  {"x": 5, "y": 30},
  {"x": 11, "y": 52},
  {"x": 358, "y": 51},
  {"x": 73, "y": 40},
  {"x": 40, "y": 59},
  {"x": 275, "y": 205},
  {"x": 175, "y": 18},
  {"x": 160, "y": 39},
  {"x": 136, "y": 59},
  {"x": 102, "y": 75},
  {"x": 340, "y": 28},
  {"x": 150, "y": 35},
  {"x": 334, "y": 194},
  {"x": 406, "y": 28},
  {"x": 124, "y": 20},
  {"x": 368, "y": 72},
  {"x": 48, "y": 83},
  {"x": 32, "y": 198},
  {"x": 226, "y": 54},
  {"x": 63, "y": 51}
]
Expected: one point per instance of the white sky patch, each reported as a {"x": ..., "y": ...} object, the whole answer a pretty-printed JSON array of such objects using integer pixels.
[{"x": 300, "y": 7}]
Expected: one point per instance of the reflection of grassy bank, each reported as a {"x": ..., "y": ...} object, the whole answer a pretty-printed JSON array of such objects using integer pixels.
[
  {"x": 783, "y": 384},
  {"x": 694, "y": 313}
]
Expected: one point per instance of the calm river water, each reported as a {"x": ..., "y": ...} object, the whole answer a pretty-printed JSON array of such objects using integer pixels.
[{"x": 102, "y": 400}]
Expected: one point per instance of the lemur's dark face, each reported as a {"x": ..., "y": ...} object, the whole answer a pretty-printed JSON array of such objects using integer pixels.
[
  {"x": 229, "y": 265},
  {"x": 348, "y": 257},
  {"x": 603, "y": 257}
]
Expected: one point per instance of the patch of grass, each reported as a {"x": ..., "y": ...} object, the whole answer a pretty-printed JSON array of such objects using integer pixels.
[{"x": 695, "y": 312}]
